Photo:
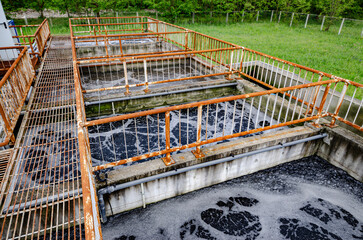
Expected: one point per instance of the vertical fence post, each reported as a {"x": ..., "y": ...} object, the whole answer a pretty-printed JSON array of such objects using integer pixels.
[
  {"x": 51, "y": 22},
  {"x": 117, "y": 14},
  {"x": 156, "y": 15},
  {"x": 272, "y": 15},
  {"x": 168, "y": 160},
  {"x": 126, "y": 79},
  {"x": 230, "y": 67},
  {"x": 227, "y": 18},
  {"x": 146, "y": 80},
  {"x": 361, "y": 34},
  {"x": 258, "y": 13},
  {"x": 339, "y": 104},
  {"x": 307, "y": 19},
  {"x": 341, "y": 26},
  {"x": 26, "y": 20},
  {"x": 322, "y": 102},
  {"x": 198, "y": 153},
  {"x": 322, "y": 24},
  {"x": 243, "y": 15},
  {"x": 7, "y": 124},
  {"x": 292, "y": 18},
  {"x": 279, "y": 17},
  {"x": 193, "y": 17}
]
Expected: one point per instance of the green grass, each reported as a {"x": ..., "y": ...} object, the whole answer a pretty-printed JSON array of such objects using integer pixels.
[{"x": 340, "y": 55}]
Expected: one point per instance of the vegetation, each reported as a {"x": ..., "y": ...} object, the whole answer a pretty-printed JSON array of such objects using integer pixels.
[
  {"x": 340, "y": 55},
  {"x": 173, "y": 8}
]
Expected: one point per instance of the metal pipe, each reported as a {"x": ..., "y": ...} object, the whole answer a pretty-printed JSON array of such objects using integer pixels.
[
  {"x": 160, "y": 94},
  {"x": 111, "y": 189}
]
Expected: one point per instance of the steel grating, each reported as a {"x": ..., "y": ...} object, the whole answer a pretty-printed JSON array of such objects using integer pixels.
[{"x": 42, "y": 195}]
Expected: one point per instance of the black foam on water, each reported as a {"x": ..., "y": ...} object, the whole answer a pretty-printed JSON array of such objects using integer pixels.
[{"x": 303, "y": 199}]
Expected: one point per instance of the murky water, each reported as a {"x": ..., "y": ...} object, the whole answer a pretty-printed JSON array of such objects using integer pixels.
[
  {"x": 124, "y": 139},
  {"x": 106, "y": 76},
  {"x": 303, "y": 199}
]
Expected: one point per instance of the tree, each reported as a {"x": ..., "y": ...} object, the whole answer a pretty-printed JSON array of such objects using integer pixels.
[
  {"x": 39, "y": 5},
  {"x": 68, "y": 5},
  {"x": 333, "y": 8}
]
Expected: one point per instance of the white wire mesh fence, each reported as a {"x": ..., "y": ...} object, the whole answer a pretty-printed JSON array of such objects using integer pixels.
[{"x": 320, "y": 22}]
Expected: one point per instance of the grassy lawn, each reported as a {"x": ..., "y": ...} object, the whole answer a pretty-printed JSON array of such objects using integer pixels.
[{"x": 340, "y": 55}]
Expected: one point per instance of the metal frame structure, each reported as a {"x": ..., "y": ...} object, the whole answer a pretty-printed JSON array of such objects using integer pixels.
[
  {"x": 50, "y": 191},
  {"x": 306, "y": 94},
  {"x": 35, "y": 37}
]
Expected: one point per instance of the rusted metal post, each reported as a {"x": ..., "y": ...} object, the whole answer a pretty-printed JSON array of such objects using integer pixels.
[
  {"x": 120, "y": 42},
  {"x": 272, "y": 15},
  {"x": 322, "y": 24},
  {"x": 307, "y": 19},
  {"x": 311, "y": 107},
  {"x": 168, "y": 160},
  {"x": 198, "y": 153},
  {"x": 241, "y": 63},
  {"x": 339, "y": 104},
  {"x": 146, "y": 80},
  {"x": 186, "y": 40},
  {"x": 230, "y": 67},
  {"x": 322, "y": 102},
  {"x": 94, "y": 30},
  {"x": 126, "y": 79},
  {"x": 7, "y": 124},
  {"x": 292, "y": 18},
  {"x": 341, "y": 26}
]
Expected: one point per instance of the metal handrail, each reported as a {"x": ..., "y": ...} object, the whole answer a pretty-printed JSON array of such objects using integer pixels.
[{"x": 14, "y": 87}]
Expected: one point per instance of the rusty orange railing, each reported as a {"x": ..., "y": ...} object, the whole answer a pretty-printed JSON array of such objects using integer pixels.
[
  {"x": 290, "y": 111},
  {"x": 35, "y": 37},
  {"x": 14, "y": 87}
]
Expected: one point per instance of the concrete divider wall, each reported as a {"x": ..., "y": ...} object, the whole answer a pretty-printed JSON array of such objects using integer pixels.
[
  {"x": 343, "y": 149},
  {"x": 157, "y": 190}
]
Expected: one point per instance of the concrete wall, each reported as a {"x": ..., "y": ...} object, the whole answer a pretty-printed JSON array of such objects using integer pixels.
[
  {"x": 169, "y": 187},
  {"x": 344, "y": 149}
]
